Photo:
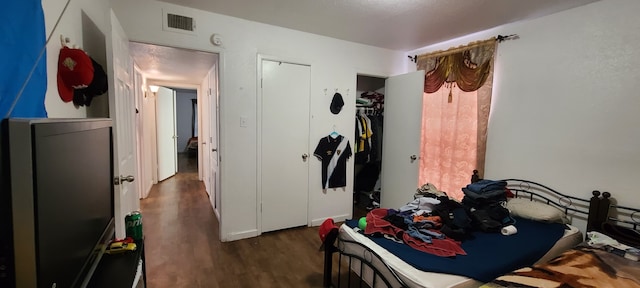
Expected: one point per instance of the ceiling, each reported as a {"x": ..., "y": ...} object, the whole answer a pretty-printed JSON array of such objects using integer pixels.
[
  {"x": 394, "y": 24},
  {"x": 172, "y": 64}
]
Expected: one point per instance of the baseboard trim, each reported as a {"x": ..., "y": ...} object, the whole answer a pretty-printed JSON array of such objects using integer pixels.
[
  {"x": 241, "y": 235},
  {"x": 338, "y": 218}
]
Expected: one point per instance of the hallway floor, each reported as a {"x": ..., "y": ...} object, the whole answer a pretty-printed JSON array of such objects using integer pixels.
[{"x": 184, "y": 250}]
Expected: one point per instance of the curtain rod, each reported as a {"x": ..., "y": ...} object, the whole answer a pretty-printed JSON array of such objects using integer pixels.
[{"x": 498, "y": 38}]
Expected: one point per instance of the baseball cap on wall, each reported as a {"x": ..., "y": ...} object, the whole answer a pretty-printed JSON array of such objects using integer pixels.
[
  {"x": 336, "y": 103},
  {"x": 75, "y": 71}
]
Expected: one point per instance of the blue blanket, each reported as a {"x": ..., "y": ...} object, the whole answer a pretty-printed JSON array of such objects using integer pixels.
[{"x": 489, "y": 255}]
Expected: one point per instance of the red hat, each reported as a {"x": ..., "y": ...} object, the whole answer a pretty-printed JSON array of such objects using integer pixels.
[
  {"x": 75, "y": 71},
  {"x": 327, "y": 227}
]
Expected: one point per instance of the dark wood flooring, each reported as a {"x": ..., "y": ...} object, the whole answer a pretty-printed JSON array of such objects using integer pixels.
[
  {"x": 183, "y": 247},
  {"x": 187, "y": 162}
]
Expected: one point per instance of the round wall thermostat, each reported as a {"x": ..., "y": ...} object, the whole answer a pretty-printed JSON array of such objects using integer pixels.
[{"x": 216, "y": 39}]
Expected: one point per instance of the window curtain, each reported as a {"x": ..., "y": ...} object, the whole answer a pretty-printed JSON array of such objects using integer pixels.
[{"x": 456, "y": 103}]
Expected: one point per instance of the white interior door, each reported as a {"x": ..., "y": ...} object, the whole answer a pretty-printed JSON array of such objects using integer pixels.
[
  {"x": 401, "y": 139},
  {"x": 166, "y": 133},
  {"x": 122, "y": 111},
  {"x": 285, "y": 142},
  {"x": 139, "y": 118},
  {"x": 213, "y": 138}
]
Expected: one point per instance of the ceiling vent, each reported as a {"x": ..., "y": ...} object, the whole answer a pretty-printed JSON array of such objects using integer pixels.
[{"x": 178, "y": 23}]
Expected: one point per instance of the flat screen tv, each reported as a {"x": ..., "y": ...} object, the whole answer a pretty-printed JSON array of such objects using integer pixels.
[{"x": 56, "y": 200}]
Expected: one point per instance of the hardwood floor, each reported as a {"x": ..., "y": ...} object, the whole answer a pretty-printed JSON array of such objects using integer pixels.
[
  {"x": 187, "y": 163},
  {"x": 183, "y": 250}
]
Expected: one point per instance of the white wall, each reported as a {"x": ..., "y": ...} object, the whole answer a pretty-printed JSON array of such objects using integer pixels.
[
  {"x": 566, "y": 110},
  {"x": 334, "y": 65},
  {"x": 71, "y": 26}
]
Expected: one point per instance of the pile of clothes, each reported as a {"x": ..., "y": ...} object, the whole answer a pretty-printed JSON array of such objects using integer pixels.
[
  {"x": 485, "y": 201},
  {"x": 437, "y": 224}
]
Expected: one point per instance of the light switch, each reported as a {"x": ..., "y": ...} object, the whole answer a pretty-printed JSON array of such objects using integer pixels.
[{"x": 243, "y": 121}]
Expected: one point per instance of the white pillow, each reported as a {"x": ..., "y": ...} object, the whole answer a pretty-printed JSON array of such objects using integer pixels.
[{"x": 538, "y": 211}]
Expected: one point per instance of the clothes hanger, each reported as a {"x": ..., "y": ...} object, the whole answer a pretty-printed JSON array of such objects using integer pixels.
[{"x": 334, "y": 134}]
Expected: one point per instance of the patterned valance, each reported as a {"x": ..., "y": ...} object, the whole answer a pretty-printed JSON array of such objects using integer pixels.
[{"x": 467, "y": 66}]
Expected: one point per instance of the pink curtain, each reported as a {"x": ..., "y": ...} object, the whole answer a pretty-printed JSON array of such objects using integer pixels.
[
  {"x": 456, "y": 103},
  {"x": 449, "y": 139}
]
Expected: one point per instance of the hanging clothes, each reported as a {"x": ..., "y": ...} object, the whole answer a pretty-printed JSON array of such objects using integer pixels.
[
  {"x": 333, "y": 152},
  {"x": 363, "y": 134}
]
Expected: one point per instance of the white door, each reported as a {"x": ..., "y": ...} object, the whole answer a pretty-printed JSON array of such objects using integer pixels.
[
  {"x": 285, "y": 145},
  {"x": 166, "y": 133},
  {"x": 213, "y": 138},
  {"x": 122, "y": 111},
  {"x": 401, "y": 138},
  {"x": 204, "y": 149},
  {"x": 139, "y": 118}
]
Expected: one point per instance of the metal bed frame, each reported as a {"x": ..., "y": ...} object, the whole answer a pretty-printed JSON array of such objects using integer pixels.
[{"x": 373, "y": 267}]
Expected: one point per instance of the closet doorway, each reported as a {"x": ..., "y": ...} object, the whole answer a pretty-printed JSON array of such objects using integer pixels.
[
  {"x": 399, "y": 139},
  {"x": 367, "y": 145}
]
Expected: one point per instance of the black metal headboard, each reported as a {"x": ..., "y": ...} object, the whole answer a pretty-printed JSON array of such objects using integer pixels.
[
  {"x": 541, "y": 193},
  {"x": 620, "y": 222}
]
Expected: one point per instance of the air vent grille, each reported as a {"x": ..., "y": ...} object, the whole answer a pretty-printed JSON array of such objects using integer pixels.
[{"x": 180, "y": 22}]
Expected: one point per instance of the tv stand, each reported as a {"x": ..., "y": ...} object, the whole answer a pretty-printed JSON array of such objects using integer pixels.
[{"x": 121, "y": 270}]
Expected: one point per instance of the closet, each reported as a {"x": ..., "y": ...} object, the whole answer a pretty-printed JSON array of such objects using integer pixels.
[
  {"x": 367, "y": 144},
  {"x": 402, "y": 111}
]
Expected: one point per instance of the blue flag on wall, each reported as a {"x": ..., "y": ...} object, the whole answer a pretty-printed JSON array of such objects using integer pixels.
[{"x": 22, "y": 40}]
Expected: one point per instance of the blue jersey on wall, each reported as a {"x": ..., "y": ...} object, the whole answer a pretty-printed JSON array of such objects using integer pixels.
[{"x": 22, "y": 40}]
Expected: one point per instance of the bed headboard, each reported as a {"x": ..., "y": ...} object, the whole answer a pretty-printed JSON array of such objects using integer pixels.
[
  {"x": 541, "y": 193},
  {"x": 537, "y": 192},
  {"x": 620, "y": 222}
]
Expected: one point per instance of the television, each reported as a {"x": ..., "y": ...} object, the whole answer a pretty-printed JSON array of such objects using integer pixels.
[{"x": 56, "y": 200}]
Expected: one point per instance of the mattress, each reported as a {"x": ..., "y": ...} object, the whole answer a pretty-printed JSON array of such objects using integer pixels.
[{"x": 413, "y": 277}]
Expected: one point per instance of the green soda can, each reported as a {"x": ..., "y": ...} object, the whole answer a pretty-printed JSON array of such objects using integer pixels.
[{"x": 133, "y": 224}]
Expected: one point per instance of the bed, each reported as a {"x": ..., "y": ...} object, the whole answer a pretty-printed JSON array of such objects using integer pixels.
[
  {"x": 607, "y": 258},
  {"x": 354, "y": 258},
  {"x": 192, "y": 146}
]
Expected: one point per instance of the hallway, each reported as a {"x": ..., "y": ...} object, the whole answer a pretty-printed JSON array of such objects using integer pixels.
[{"x": 184, "y": 250}]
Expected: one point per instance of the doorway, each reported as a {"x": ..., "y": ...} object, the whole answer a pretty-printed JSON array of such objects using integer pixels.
[
  {"x": 187, "y": 130},
  {"x": 368, "y": 143},
  {"x": 187, "y": 72}
]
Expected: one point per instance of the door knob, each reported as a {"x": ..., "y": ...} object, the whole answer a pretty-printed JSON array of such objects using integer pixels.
[
  {"x": 305, "y": 156},
  {"x": 214, "y": 150},
  {"x": 413, "y": 158},
  {"x": 122, "y": 179}
]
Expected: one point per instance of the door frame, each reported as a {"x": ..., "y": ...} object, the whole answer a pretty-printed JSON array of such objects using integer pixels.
[
  {"x": 221, "y": 92},
  {"x": 259, "y": 59},
  {"x": 353, "y": 163}
]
